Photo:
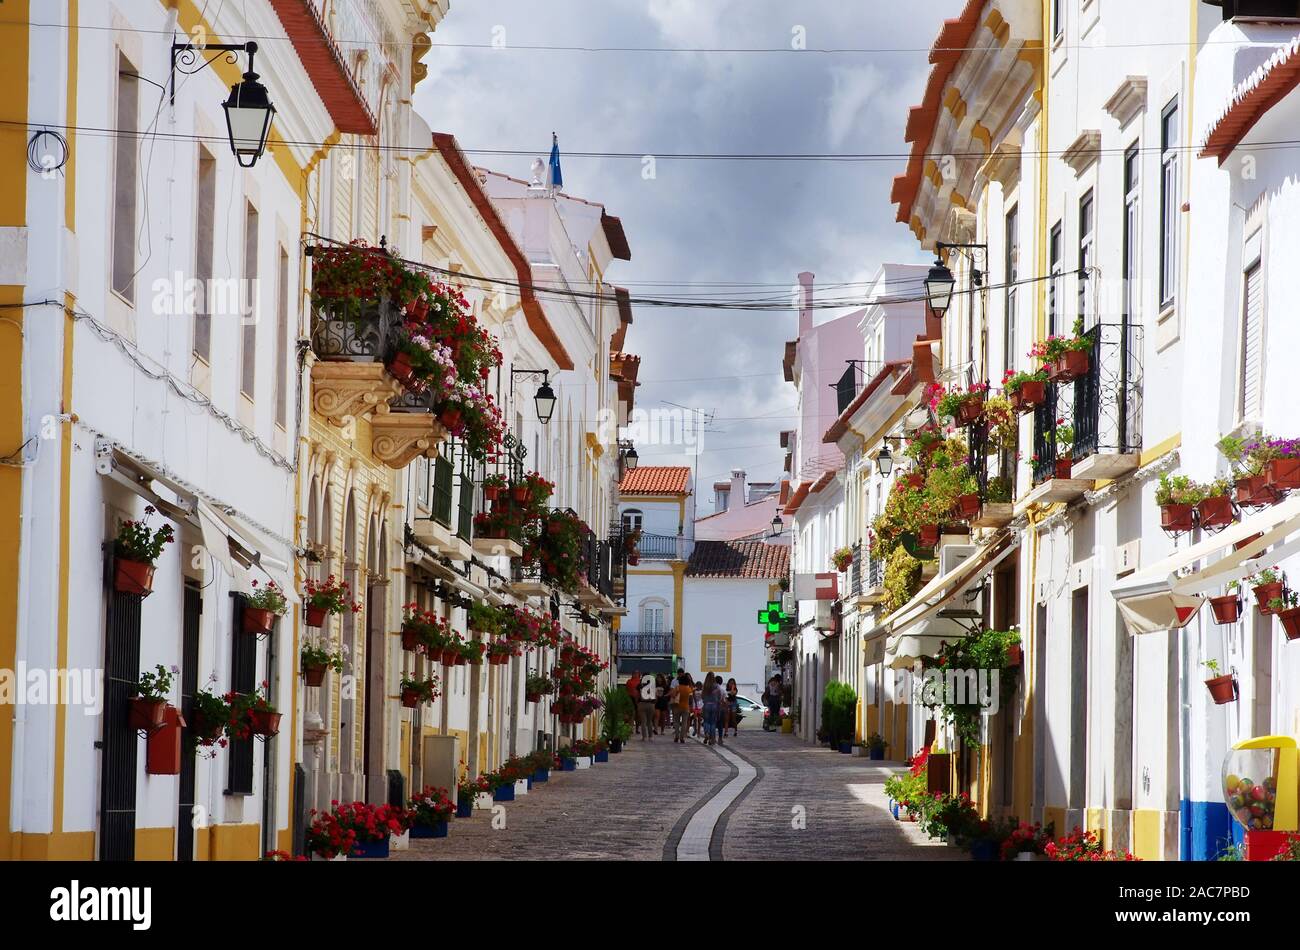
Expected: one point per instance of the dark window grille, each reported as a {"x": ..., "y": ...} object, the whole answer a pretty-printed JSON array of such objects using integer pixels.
[
  {"x": 443, "y": 476},
  {"x": 189, "y": 686},
  {"x": 1044, "y": 461},
  {"x": 243, "y": 679},
  {"x": 120, "y": 742}
]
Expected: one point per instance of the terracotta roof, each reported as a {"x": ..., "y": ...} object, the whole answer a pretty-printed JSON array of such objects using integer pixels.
[
  {"x": 797, "y": 498},
  {"x": 613, "y": 228},
  {"x": 1260, "y": 91},
  {"x": 947, "y": 50},
  {"x": 656, "y": 480},
  {"x": 722, "y": 559},
  {"x": 841, "y": 426},
  {"x": 787, "y": 360},
  {"x": 533, "y": 313},
  {"x": 325, "y": 64}
]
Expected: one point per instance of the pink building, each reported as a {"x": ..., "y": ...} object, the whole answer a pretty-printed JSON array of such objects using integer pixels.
[{"x": 740, "y": 510}]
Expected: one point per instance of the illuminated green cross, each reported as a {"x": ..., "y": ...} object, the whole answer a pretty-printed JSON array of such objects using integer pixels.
[{"x": 773, "y": 616}]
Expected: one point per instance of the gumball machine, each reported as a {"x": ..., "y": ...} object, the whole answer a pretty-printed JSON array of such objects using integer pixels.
[{"x": 1260, "y": 788}]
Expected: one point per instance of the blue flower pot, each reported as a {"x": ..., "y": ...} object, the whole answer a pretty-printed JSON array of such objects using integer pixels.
[
  {"x": 984, "y": 851},
  {"x": 436, "y": 830},
  {"x": 529, "y": 780},
  {"x": 846, "y": 748},
  {"x": 371, "y": 849},
  {"x": 570, "y": 765},
  {"x": 464, "y": 808},
  {"x": 602, "y": 756},
  {"x": 893, "y": 808},
  {"x": 506, "y": 793},
  {"x": 542, "y": 775},
  {"x": 878, "y": 755}
]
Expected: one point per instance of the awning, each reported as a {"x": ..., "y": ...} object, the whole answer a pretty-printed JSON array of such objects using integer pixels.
[
  {"x": 1167, "y": 594},
  {"x": 921, "y": 640},
  {"x": 935, "y": 595},
  {"x": 243, "y": 551}
]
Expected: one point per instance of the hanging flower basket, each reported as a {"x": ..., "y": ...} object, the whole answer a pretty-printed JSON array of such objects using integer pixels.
[
  {"x": 1227, "y": 609},
  {"x": 1290, "y": 618},
  {"x": 1266, "y": 592},
  {"x": 1283, "y": 474},
  {"x": 491, "y": 492},
  {"x": 314, "y": 675},
  {"x": 132, "y": 577},
  {"x": 315, "y": 616},
  {"x": 1255, "y": 492},
  {"x": 258, "y": 620},
  {"x": 1030, "y": 394},
  {"x": 410, "y": 637},
  {"x": 205, "y": 730},
  {"x": 499, "y": 659},
  {"x": 410, "y": 698},
  {"x": 263, "y": 723},
  {"x": 1177, "y": 519},
  {"x": 1215, "y": 512},
  {"x": 449, "y": 655},
  {"x": 520, "y": 493},
  {"x": 147, "y": 714},
  {"x": 1071, "y": 365},
  {"x": 968, "y": 506},
  {"x": 1223, "y": 689},
  {"x": 1064, "y": 467},
  {"x": 402, "y": 371},
  {"x": 533, "y": 697},
  {"x": 969, "y": 412},
  {"x": 928, "y": 536}
]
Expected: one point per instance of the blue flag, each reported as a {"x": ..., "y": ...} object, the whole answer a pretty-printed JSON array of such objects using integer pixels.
[{"x": 557, "y": 177}]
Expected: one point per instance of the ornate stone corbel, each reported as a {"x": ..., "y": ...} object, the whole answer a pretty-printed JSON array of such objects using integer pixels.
[{"x": 345, "y": 390}]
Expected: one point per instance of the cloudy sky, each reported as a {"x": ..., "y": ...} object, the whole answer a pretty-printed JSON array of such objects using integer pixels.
[{"x": 713, "y": 227}]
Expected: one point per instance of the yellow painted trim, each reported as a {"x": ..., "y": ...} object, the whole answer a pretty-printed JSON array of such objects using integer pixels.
[
  {"x": 1095, "y": 821},
  {"x": 234, "y": 842},
  {"x": 679, "y": 582},
  {"x": 705, "y": 638},
  {"x": 641, "y": 573},
  {"x": 1147, "y": 824},
  {"x": 980, "y": 134},
  {"x": 1162, "y": 449},
  {"x": 13, "y": 137},
  {"x": 155, "y": 844},
  {"x": 66, "y": 846},
  {"x": 593, "y": 443},
  {"x": 1055, "y": 817}
]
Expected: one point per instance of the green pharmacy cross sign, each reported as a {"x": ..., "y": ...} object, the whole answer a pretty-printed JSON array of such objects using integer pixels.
[{"x": 773, "y": 617}]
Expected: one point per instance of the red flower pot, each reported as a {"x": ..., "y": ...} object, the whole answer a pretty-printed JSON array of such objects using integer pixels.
[
  {"x": 1266, "y": 592},
  {"x": 1030, "y": 394},
  {"x": 499, "y": 659},
  {"x": 491, "y": 492},
  {"x": 316, "y": 616},
  {"x": 204, "y": 730},
  {"x": 450, "y": 418},
  {"x": 132, "y": 577},
  {"x": 928, "y": 536},
  {"x": 410, "y": 638},
  {"x": 1177, "y": 518},
  {"x": 1255, "y": 492},
  {"x": 968, "y": 506},
  {"x": 1245, "y": 541},
  {"x": 1216, "y": 512},
  {"x": 449, "y": 655},
  {"x": 1223, "y": 689},
  {"x": 520, "y": 493},
  {"x": 401, "y": 370},
  {"x": 1283, "y": 474},
  {"x": 1064, "y": 467},
  {"x": 314, "y": 675},
  {"x": 1071, "y": 365},
  {"x": 261, "y": 723},
  {"x": 1290, "y": 622},
  {"x": 147, "y": 714},
  {"x": 1015, "y": 656},
  {"x": 460, "y": 659},
  {"x": 1227, "y": 609},
  {"x": 970, "y": 410},
  {"x": 410, "y": 698},
  {"x": 258, "y": 620},
  {"x": 533, "y": 697}
]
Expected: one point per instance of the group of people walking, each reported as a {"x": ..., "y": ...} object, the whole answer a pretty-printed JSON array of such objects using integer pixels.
[{"x": 681, "y": 704}]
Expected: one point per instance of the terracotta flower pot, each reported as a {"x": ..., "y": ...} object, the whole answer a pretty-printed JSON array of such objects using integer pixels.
[
  {"x": 410, "y": 698},
  {"x": 1245, "y": 541},
  {"x": 1064, "y": 467},
  {"x": 132, "y": 577},
  {"x": 1177, "y": 518},
  {"x": 533, "y": 697},
  {"x": 401, "y": 370},
  {"x": 1015, "y": 656},
  {"x": 970, "y": 410},
  {"x": 410, "y": 638},
  {"x": 1283, "y": 474},
  {"x": 315, "y": 616},
  {"x": 1266, "y": 592},
  {"x": 1223, "y": 689},
  {"x": 147, "y": 714},
  {"x": 1216, "y": 512},
  {"x": 258, "y": 620},
  {"x": 491, "y": 492},
  {"x": 262, "y": 723},
  {"x": 460, "y": 659},
  {"x": 968, "y": 506},
  {"x": 519, "y": 493},
  {"x": 450, "y": 418},
  {"x": 204, "y": 730},
  {"x": 1030, "y": 394},
  {"x": 1290, "y": 618},
  {"x": 1071, "y": 365},
  {"x": 1227, "y": 609},
  {"x": 1255, "y": 492},
  {"x": 314, "y": 674},
  {"x": 928, "y": 536},
  {"x": 449, "y": 656}
]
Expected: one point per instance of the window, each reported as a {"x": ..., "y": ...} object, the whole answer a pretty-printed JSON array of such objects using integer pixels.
[
  {"x": 248, "y": 348},
  {"x": 1132, "y": 231},
  {"x": 652, "y": 618},
  {"x": 205, "y": 203},
  {"x": 1054, "y": 285},
  {"x": 631, "y": 520},
  {"x": 422, "y": 481},
  {"x": 282, "y": 382},
  {"x": 1250, "y": 396},
  {"x": 1087, "y": 252},
  {"x": 1012, "y": 270},
  {"x": 125, "y": 176},
  {"x": 1169, "y": 204},
  {"x": 716, "y": 653}
]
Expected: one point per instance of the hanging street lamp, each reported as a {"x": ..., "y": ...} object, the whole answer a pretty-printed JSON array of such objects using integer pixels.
[
  {"x": 249, "y": 111},
  {"x": 938, "y": 288},
  {"x": 545, "y": 399}
]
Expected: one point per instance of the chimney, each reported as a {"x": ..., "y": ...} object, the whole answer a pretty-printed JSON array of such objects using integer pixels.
[
  {"x": 806, "y": 302},
  {"x": 738, "y": 486},
  {"x": 721, "y": 496}
]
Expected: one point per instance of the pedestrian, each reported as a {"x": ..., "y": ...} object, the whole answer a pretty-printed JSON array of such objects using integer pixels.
[
  {"x": 682, "y": 696},
  {"x": 721, "y": 716},
  {"x": 661, "y": 703},
  {"x": 697, "y": 708},
  {"x": 645, "y": 708},
  {"x": 733, "y": 706},
  {"x": 772, "y": 699},
  {"x": 710, "y": 709},
  {"x": 634, "y": 691}
]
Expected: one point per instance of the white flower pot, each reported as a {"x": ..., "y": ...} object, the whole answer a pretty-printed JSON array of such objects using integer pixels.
[
  {"x": 400, "y": 842},
  {"x": 483, "y": 800},
  {"x": 521, "y": 787},
  {"x": 584, "y": 762}
]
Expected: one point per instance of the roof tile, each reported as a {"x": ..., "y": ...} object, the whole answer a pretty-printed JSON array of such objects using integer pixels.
[
  {"x": 739, "y": 559},
  {"x": 656, "y": 480}
]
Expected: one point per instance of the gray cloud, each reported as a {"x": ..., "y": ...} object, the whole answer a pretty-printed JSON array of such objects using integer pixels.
[{"x": 704, "y": 221}]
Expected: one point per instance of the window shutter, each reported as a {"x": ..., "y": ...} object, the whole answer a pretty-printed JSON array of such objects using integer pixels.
[{"x": 1252, "y": 353}]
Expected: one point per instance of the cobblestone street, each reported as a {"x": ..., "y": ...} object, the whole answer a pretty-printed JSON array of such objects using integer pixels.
[{"x": 660, "y": 801}]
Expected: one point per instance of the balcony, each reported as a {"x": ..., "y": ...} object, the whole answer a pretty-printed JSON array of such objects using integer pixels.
[
  {"x": 442, "y": 530},
  {"x": 349, "y": 380},
  {"x": 527, "y": 580},
  {"x": 658, "y": 547},
  {"x": 596, "y": 587},
  {"x": 658, "y": 643},
  {"x": 1107, "y": 404},
  {"x": 994, "y": 466}
]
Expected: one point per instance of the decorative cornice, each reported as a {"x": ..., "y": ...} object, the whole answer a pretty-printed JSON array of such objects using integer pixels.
[
  {"x": 1083, "y": 151},
  {"x": 347, "y": 390},
  {"x": 1129, "y": 99}
]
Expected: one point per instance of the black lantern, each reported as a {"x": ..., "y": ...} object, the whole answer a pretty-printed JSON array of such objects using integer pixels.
[
  {"x": 938, "y": 288},
  {"x": 631, "y": 459},
  {"x": 885, "y": 461},
  {"x": 545, "y": 401},
  {"x": 248, "y": 110},
  {"x": 777, "y": 526}
]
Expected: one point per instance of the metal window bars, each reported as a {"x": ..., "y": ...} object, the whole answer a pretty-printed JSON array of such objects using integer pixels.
[{"x": 364, "y": 336}]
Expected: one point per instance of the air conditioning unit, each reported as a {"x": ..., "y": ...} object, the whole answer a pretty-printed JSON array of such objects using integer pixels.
[{"x": 951, "y": 556}]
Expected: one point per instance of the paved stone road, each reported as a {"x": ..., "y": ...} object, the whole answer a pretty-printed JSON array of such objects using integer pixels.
[{"x": 659, "y": 800}]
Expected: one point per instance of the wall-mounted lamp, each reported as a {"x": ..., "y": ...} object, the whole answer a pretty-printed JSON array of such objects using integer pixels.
[{"x": 249, "y": 111}]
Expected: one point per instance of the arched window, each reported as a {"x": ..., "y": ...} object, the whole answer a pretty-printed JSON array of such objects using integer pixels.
[
  {"x": 654, "y": 615},
  {"x": 632, "y": 520}
]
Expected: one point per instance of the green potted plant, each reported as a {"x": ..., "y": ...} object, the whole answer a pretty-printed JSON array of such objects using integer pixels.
[
  {"x": 1025, "y": 390},
  {"x": 493, "y": 486},
  {"x": 1227, "y": 608},
  {"x": 483, "y": 618},
  {"x": 1222, "y": 687},
  {"x": 1064, "y": 436},
  {"x": 149, "y": 704},
  {"x": 1215, "y": 510},
  {"x": 876, "y": 746},
  {"x": 839, "y": 709},
  {"x": 842, "y": 558},
  {"x": 210, "y": 717},
  {"x": 1285, "y": 609},
  {"x": 254, "y": 713},
  {"x": 416, "y": 691},
  {"x": 537, "y": 685},
  {"x": 615, "y": 717},
  {"x": 262, "y": 606},
  {"x": 1267, "y": 584},
  {"x": 135, "y": 550},
  {"x": 325, "y": 598},
  {"x": 1177, "y": 497},
  {"x": 315, "y": 659},
  {"x": 1248, "y": 458}
]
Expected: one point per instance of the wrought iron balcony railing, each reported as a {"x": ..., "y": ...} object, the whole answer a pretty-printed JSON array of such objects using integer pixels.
[
  {"x": 658, "y": 643},
  {"x": 360, "y": 338},
  {"x": 1108, "y": 398},
  {"x": 657, "y": 547},
  {"x": 875, "y": 574}
]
